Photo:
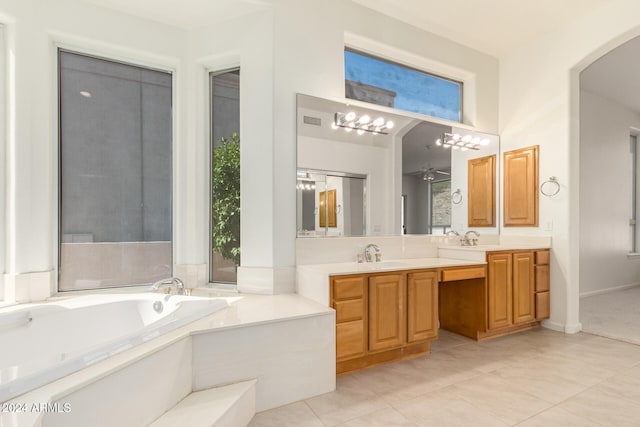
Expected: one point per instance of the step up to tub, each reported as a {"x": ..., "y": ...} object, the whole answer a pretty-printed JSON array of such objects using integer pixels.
[{"x": 231, "y": 405}]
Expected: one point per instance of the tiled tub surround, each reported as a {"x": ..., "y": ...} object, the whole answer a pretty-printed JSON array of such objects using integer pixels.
[
  {"x": 46, "y": 341},
  {"x": 285, "y": 342}
]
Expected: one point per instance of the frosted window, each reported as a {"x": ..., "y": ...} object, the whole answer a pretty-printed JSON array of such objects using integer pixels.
[
  {"x": 115, "y": 173},
  {"x": 381, "y": 82}
]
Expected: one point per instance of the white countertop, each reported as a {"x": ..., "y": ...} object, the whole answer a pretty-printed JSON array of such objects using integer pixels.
[
  {"x": 335, "y": 269},
  {"x": 494, "y": 248}
]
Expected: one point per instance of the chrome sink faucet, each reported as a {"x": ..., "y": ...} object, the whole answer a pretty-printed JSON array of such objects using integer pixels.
[
  {"x": 168, "y": 283},
  {"x": 367, "y": 252},
  {"x": 470, "y": 238}
]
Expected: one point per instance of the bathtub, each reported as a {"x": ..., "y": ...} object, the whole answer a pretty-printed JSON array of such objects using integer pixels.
[{"x": 44, "y": 342}]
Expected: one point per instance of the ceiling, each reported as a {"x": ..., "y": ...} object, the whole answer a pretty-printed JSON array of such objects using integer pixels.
[
  {"x": 615, "y": 76},
  {"x": 491, "y": 26},
  {"x": 186, "y": 14},
  {"x": 494, "y": 27}
]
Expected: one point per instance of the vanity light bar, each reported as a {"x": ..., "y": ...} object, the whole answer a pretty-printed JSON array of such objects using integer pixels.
[
  {"x": 350, "y": 122},
  {"x": 456, "y": 141}
]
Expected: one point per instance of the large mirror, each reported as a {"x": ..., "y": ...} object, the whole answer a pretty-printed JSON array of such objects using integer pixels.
[{"x": 369, "y": 171}]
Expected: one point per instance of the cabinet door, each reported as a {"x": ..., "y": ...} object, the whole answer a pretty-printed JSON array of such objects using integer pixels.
[
  {"x": 521, "y": 187},
  {"x": 386, "y": 300},
  {"x": 499, "y": 290},
  {"x": 422, "y": 306},
  {"x": 523, "y": 287},
  {"x": 482, "y": 192}
]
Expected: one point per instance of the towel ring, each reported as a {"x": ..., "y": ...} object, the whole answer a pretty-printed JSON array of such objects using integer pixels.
[
  {"x": 456, "y": 197},
  {"x": 550, "y": 187}
]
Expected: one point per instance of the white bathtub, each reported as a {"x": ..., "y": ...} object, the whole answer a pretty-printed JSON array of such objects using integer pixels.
[{"x": 43, "y": 342}]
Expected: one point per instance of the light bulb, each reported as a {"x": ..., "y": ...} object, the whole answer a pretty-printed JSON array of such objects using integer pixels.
[
  {"x": 438, "y": 141},
  {"x": 455, "y": 136},
  {"x": 378, "y": 122},
  {"x": 334, "y": 126},
  {"x": 348, "y": 129},
  {"x": 463, "y": 149},
  {"x": 484, "y": 141},
  {"x": 390, "y": 124},
  {"x": 467, "y": 138},
  {"x": 350, "y": 116},
  {"x": 360, "y": 132},
  {"x": 364, "y": 119}
]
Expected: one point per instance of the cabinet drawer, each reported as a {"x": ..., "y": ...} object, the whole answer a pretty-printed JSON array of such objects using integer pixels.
[
  {"x": 463, "y": 274},
  {"x": 542, "y": 278},
  {"x": 348, "y": 288},
  {"x": 347, "y": 311},
  {"x": 350, "y": 339},
  {"x": 543, "y": 305},
  {"x": 542, "y": 257}
]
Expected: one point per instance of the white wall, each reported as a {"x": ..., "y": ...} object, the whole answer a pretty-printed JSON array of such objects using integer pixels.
[
  {"x": 539, "y": 105},
  {"x": 605, "y": 194}
]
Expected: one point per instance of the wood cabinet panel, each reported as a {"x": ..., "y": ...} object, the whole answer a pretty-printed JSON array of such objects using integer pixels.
[
  {"x": 543, "y": 305},
  {"x": 422, "y": 303},
  {"x": 452, "y": 274},
  {"x": 523, "y": 287},
  {"x": 499, "y": 290},
  {"x": 543, "y": 257},
  {"x": 521, "y": 187},
  {"x": 350, "y": 339},
  {"x": 542, "y": 278},
  {"x": 482, "y": 192},
  {"x": 347, "y": 311},
  {"x": 386, "y": 314},
  {"x": 348, "y": 287}
]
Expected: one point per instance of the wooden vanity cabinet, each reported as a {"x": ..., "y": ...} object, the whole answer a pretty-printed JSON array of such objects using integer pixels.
[
  {"x": 383, "y": 316},
  {"x": 542, "y": 287},
  {"x": 386, "y": 311},
  {"x": 422, "y": 303},
  {"x": 348, "y": 299},
  {"x": 517, "y": 282}
]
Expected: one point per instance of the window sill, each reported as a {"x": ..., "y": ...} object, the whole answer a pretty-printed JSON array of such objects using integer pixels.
[{"x": 633, "y": 255}]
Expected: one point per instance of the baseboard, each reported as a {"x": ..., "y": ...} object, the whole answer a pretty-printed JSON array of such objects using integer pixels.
[
  {"x": 567, "y": 329},
  {"x": 608, "y": 290}
]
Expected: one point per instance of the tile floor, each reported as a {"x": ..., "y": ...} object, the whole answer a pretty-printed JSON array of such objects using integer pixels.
[
  {"x": 534, "y": 378},
  {"x": 613, "y": 315}
]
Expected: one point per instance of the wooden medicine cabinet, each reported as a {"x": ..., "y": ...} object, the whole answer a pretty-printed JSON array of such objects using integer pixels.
[
  {"x": 521, "y": 187},
  {"x": 482, "y": 192}
]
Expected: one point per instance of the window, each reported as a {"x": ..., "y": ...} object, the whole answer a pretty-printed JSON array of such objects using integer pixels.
[
  {"x": 634, "y": 243},
  {"x": 225, "y": 176},
  {"x": 441, "y": 206},
  {"x": 115, "y": 173},
  {"x": 381, "y": 82}
]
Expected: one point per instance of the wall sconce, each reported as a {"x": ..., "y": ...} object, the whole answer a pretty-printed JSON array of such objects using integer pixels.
[
  {"x": 456, "y": 141},
  {"x": 351, "y": 122}
]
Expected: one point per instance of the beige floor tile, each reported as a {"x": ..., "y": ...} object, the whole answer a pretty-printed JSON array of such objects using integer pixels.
[
  {"x": 447, "y": 340},
  {"x": 445, "y": 409},
  {"x": 558, "y": 417},
  {"x": 351, "y": 399},
  {"x": 601, "y": 406},
  {"x": 294, "y": 415},
  {"x": 382, "y": 418},
  {"x": 603, "y": 353},
  {"x": 499, "y": 398}
]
